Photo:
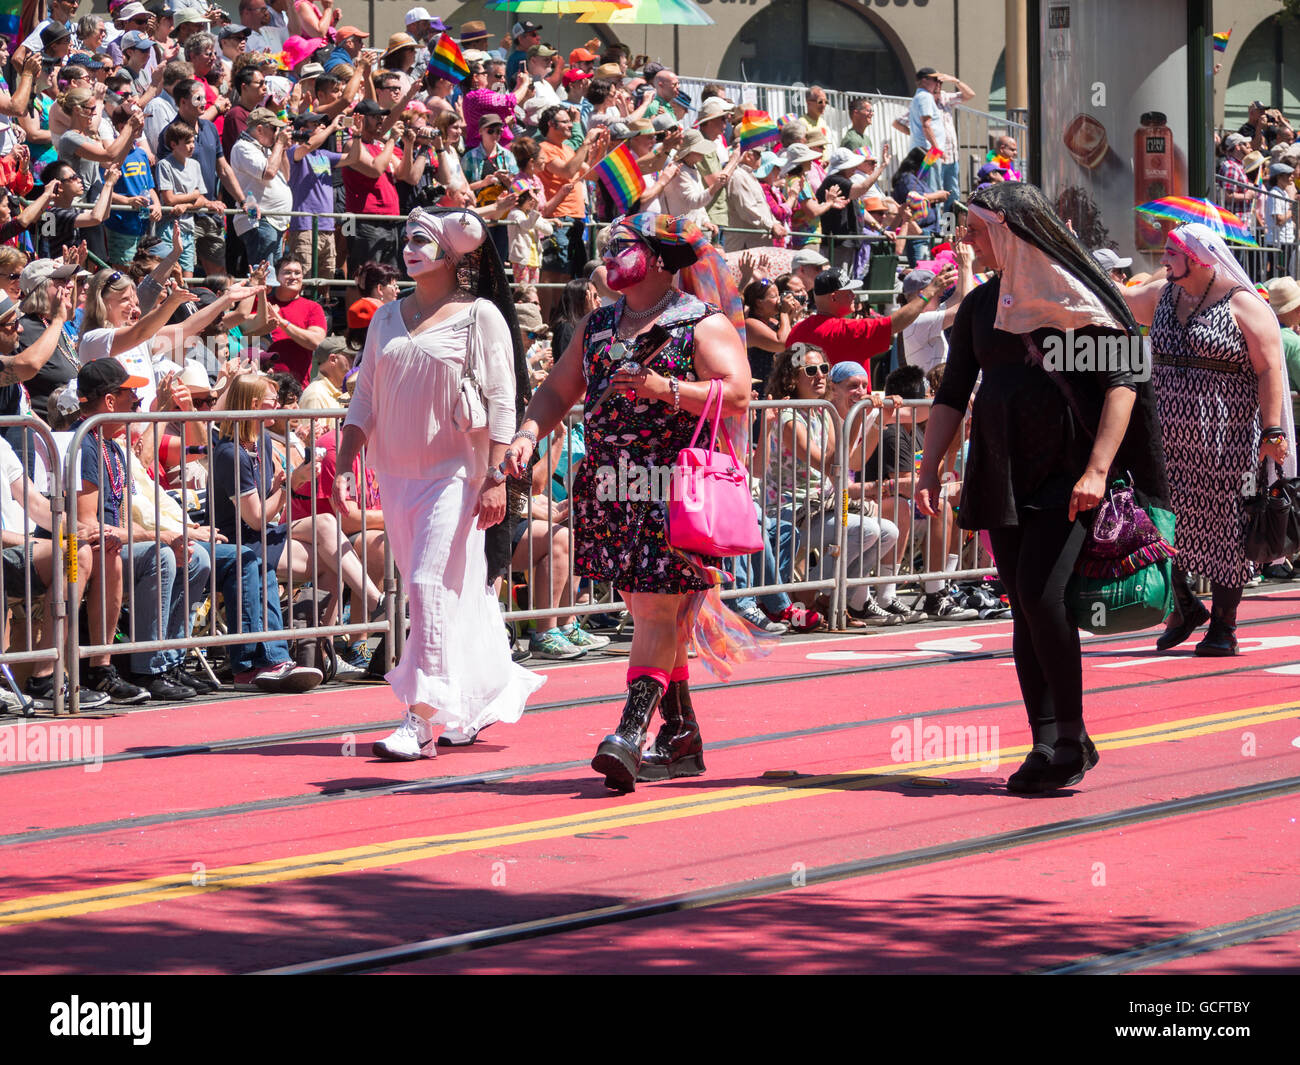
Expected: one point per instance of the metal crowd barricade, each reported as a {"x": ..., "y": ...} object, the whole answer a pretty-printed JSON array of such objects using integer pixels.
[
  {"x": 1270, "y": 258},
  {"x": 930, "y": 539},
  {"x": 801, "y": 547},
  {"x": 196, "y": 502},
  {"x": 38, "y": 443}
]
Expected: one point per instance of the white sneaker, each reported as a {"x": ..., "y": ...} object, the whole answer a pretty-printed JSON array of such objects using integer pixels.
[
  {"x": 413, "y": 739},
  {"x": 454, "y": 737},
  {"x": 588, "y": 641}
]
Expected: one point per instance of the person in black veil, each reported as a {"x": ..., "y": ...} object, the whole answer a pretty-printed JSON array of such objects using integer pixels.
[
  {"x": 437, "y": 439},
  {"x": 1045, "y": 439}
]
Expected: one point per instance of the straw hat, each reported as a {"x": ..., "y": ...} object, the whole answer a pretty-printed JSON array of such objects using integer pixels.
[
  {"x": 397, "y": 42},
  {"x": 1283, "y": 295}
]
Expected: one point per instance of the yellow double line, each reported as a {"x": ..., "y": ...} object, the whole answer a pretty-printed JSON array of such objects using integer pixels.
[{"x": 34, "y": 908}]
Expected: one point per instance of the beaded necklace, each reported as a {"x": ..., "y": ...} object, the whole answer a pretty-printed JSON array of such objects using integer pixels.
[{"x": 116, "y": 479}]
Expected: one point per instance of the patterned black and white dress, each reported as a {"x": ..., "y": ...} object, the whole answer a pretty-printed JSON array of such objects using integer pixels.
[{"x": 1208, "y": 399}]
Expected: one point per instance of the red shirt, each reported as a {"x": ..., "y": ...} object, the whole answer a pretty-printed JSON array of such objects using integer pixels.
[
  {"x": 363, "y": 194},
  {"x": 326, "y": 447},
  {"x": 844, "y": 339},
  {"x": 286, "y": 353}
]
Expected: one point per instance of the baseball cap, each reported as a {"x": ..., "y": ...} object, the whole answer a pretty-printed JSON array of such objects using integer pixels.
[
  {"x": 1234, "y": 139},
  {"x": 417, "y": 14},
  {"x": 520, "y": 28},
  {"x": 308, "y": 118},
  {"x": 664, "y": 121},
  {"x": 1278, "y": 169},
  {"x": 349, "y": 31},
  {"x": 991, "y": 168},
  {"x": 489, "y": 120},
  {"x": 573, "y": 74},
  {"x": 915, "y": 281},
  {"x": 260, "y": 115},
  {"x": 7, "y": 308},
  {"x": 360, "y": 312},
  {"x": 40, "y": 270},
  {"x": 926, "y": 72},
  {"x": 831, "y": 281},
  {"x": 581, "y": 55},
  {"x": 542, "y": 51},
  {"x": 102, "y": 377},
  {"x": 136, "y": 39},
  {"x": 808, "y": 257},
  {"x": 842, "y": 371},
  {"x": 84, "y": 59},
  {"x": 226, "y": 32},
  {"x": 1109, "y": 260},
  {"x": 368, "y": 108}
]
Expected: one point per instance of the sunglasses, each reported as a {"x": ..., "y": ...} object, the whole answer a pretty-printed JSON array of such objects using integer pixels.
[
  {"x": 135, "y": 400},
  {"x": 204, "y": 403},
  {"x": 817, "y": 371},
  {"x": 12, "y": 277}
]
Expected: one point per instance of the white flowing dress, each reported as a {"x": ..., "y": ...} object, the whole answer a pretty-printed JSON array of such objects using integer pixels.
[{"x": 456, "y": 661}]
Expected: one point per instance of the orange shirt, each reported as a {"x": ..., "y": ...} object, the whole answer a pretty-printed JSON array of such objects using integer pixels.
[{"x": 573, "y": 205}]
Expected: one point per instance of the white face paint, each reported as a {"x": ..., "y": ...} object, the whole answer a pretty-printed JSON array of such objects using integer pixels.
[{"x": 421, "y": 254}]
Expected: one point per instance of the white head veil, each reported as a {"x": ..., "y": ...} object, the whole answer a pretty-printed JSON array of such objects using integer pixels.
[
  {"x": 1206, "y": 247},
  {"x": 457, "y": 233},
  {"x": 1036, "y": 291}
]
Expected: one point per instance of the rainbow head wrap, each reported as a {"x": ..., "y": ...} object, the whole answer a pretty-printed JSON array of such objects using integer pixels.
[{"x": 702, "y": 271}]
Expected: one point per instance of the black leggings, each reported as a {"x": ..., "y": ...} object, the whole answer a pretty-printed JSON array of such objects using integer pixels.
[{"x": 1035, "y": 560}]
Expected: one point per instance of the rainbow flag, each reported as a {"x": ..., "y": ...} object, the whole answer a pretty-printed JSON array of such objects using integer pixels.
[
  {"x": 445, "y": 59},
  {"x": 621, "y": 177},
  {"x": 1221, "y": 41},
  {"x": 931, "y": 157},
  {"x": 756, "y": 129}
]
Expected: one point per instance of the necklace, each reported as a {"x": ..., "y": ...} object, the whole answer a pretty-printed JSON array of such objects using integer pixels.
[
  {"x": 116, "y": 477},
  {"x": 636, "y": 319},
  {"x": 1208, "y": 285},
  {"x": 417, "y": 315}
]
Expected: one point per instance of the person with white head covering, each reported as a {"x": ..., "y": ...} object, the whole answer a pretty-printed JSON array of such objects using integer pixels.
[
  {"x": 1044, "y": 440},
  {"x": 1221, "y": 384},
  {"x": 439, "y": 466}
]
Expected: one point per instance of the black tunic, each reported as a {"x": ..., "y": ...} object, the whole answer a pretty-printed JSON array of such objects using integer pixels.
[{"x": 1028, "y": 447}]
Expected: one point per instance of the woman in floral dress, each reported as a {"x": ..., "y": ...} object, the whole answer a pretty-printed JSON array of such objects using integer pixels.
[{"x": 644, "y": 394}]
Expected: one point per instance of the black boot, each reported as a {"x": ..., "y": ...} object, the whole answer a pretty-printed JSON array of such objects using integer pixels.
[
  {"x": 677, "y": 751},
  {"x": 1188, "y": 615},
  {"x": 1221, "y": 640},
  {"x": 619, "y": 755}
]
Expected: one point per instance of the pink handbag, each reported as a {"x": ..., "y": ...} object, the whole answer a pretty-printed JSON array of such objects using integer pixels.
[{"x": 710, "y": 509}]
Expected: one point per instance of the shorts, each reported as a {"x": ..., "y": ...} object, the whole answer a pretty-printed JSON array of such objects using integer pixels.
[
  {"x": 187, "y": 249},
  {"x": 564, "y": 251},
  {"x": 210, "y": 235},
  {"x": 17, "y": 563},
  {"x": 121, "y": 246}
]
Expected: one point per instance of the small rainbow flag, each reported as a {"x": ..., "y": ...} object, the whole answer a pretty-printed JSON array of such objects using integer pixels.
[
  {"x": 757, "y": 129},
  {"x": 1221, "y": 41},
  {"x": 621, "y": 177},
  {"x": 445, "y": 59},
  {"x": 931, "y": 157}
]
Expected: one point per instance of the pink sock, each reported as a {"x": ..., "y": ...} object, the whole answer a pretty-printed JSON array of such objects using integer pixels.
[
  {"x": 680, "y": 673},
  {"x": 660, "y": 675}
]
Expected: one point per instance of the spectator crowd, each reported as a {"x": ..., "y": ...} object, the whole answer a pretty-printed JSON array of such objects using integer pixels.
[{"x": 203, "y": 213}]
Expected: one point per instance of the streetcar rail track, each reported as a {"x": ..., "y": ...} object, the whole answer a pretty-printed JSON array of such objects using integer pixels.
[{"x": 422, "y": 950}]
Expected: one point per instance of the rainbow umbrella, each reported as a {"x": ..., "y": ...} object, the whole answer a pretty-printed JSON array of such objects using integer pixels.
[
  {"x": 555, "y": 7},
  {"x": 1184, "y": 209},
  {"x": 651, "y": 13}
]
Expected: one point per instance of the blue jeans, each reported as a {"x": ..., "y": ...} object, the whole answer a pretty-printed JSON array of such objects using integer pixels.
[
  {"x": 262, "y": 244},
  {"x": 949, "y": 182},
  {"x": 239, "y": 576},
  {"x": 153, "y": 572},
  {"x": 778, "y": 540}
]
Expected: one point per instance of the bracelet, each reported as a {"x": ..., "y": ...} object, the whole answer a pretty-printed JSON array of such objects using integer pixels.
[
  {"x": 1274, "y": 430},
  {"x": 525, "y": 434},
  {"x": 676, "y": 387},
  {"x": 925, "y": 300}
]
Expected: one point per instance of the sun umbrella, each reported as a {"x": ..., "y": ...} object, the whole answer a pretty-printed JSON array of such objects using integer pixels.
[
  {"x": 555, "y": 7},
  {"x": 651, "y": 13},
  {"x": 1183, "y": 209}
]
